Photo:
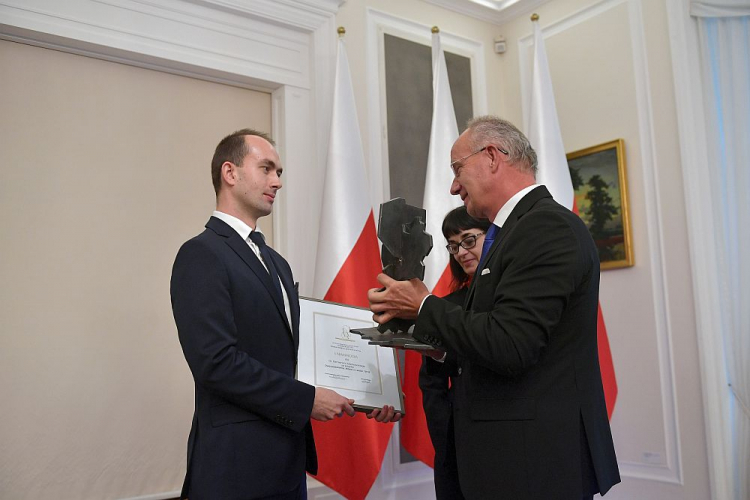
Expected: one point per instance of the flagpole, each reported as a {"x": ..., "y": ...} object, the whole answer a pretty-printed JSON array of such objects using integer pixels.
[
  {"x": 350, "y": 450},
  {"x": 546, "y": 138},
  {"x": 437, "y": 202}
]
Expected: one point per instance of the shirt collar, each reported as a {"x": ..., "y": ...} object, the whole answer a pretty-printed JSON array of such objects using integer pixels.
[
  {"x": 505, "y": 211},
  {"x": 240, "y": 227}
]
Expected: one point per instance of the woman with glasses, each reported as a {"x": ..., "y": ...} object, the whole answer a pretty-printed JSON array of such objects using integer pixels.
[{"x": 465, "y": 236}]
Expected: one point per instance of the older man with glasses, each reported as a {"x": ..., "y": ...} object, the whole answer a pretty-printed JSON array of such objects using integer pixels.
[{"x": 529, "y": 417}]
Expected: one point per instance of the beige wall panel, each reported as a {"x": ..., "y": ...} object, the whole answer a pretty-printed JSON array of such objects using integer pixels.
[
  {"x": 593, "y": 63},
  {"x": 104, "y": 172}
]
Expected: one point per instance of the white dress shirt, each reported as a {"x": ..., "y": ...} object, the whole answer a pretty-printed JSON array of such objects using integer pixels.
[{"x": 244, "y": 231}]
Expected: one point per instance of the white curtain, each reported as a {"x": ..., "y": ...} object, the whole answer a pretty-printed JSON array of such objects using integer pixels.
[
  {"x": 719, "y": 8},
  {"x": 724, "y": 36}
]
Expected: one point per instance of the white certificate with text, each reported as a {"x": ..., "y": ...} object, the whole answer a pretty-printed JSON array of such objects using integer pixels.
[{"x": 332, "y": 357}]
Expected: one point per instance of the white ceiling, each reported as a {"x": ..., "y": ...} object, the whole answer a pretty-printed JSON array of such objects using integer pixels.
[{"x": 494, "y": 11}]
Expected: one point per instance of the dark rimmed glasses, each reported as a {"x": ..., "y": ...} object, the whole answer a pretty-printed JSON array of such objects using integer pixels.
[{"x": 469, "y": 242}]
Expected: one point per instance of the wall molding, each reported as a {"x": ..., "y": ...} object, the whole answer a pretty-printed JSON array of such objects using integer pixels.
[
  {"x": 170, "y": 495},
  {"x": 377, "y": 24},
  {"x": 671, "y": 471},
  {"x": 691, "y": 126},
  {"x": 503, "y": 13},
  {"x": 283, "y": 47}
]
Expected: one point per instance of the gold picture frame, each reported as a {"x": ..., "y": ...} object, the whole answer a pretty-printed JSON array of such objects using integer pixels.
[{"x": 601, "y": 195}]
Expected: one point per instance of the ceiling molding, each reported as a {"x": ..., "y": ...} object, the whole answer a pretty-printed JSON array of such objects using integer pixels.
[
  {"x": 308, "y": 14},
  {"x": 493, "y": 11}
]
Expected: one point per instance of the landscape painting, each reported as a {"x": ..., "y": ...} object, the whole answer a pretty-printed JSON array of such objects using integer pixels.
[{"x": 601, "y": 195}]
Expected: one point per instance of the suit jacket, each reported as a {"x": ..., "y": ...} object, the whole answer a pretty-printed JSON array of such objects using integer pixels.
[
  {"x": 529, "y": 413},
  {"x": 251, "y": 436},
  {"x": 434, "y": 381}
]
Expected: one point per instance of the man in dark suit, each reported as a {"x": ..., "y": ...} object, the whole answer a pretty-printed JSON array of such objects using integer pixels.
[
  {"x": 529, "y": 415},
  {"x": 237, "y": 313}
]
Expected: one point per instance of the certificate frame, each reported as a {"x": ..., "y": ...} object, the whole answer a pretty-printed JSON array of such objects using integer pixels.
[{"x": 332, "y": 357}]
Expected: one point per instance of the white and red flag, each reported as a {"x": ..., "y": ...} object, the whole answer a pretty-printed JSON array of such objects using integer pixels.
[
  {"x": 545, "y": 137},
  {"x": 437, "y": 202},
  {"x": 350, "y": 450}
]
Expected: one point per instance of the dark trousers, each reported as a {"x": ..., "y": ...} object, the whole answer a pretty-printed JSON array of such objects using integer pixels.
[
  {"x": 447, "y": 485},
  {"x": 299, "y": 493}
]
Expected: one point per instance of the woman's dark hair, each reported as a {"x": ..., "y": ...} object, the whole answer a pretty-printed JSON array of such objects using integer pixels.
[{"x": 457, "y": 221}]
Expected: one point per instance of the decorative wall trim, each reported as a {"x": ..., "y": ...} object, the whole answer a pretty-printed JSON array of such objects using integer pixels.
[
  {"x": 379, "y": 23},
  {"x": 671, "y": 472},
  {"x": 306, "y": 14},
  {"x": 693, "y": 155},
  {"x": 170, "y": 495},
  {"x": 500, "y": 15},
  {"x": 285, "y": 47},
  {"x": 172, "y": 34}
]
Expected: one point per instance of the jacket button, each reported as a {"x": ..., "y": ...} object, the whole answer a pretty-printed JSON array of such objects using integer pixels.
[{"x": 459, "y": 370}]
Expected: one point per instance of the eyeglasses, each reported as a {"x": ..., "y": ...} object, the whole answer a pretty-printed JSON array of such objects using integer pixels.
[
  {"x": 467, "y": 243},
  {"x": 457, "y": 164}
]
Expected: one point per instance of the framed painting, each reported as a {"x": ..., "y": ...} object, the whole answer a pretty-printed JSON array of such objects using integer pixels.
[{"x": 601, "y": 195}]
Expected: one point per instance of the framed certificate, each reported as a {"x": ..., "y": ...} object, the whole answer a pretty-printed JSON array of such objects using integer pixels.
[{"x": 331, "y": 356}]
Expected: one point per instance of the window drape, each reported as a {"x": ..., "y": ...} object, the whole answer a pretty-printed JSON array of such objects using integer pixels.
[
  {"x": 720, "y": 8},
  {"x": 724, "y": 39}
]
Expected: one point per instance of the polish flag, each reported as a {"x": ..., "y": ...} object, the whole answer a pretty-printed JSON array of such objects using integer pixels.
[
  {"x": 544, "y": 135},
  {"x": 437, "y": 202},
  {"x": 350, "y": 450}
]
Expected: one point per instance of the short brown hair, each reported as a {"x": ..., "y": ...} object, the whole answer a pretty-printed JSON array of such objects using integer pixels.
[{"x": 233, "y": 149}]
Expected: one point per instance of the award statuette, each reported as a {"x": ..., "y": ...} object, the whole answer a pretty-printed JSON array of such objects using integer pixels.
[{"x": 401, "y": 229}]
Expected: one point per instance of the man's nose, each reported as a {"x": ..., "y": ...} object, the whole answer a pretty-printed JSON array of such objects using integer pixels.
[
  {"x": 276, "y": 182},
  {"x": 455, "y": 187}
]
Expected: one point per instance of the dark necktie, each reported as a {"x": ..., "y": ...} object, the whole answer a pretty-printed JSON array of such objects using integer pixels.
[
  {"x": 258, "y": 239},
  {"x": 489, "y": 238}
]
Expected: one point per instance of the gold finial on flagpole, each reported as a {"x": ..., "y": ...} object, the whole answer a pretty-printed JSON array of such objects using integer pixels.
[
  {"x": 435, "y": 29},
  {"x": 341, "y": 31},
  {"x": 534, "y": 17}
]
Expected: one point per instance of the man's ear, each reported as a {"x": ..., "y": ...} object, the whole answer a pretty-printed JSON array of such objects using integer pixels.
[
  {"x": 229, "y": 173},
  {"x": 495, "y": 158}
]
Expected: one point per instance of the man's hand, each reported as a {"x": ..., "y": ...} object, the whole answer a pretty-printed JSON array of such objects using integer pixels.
[
  {"x": 329, "y": 404},
  {"x": 398, "y": 299},
  {"x": 385, "y": 414}
]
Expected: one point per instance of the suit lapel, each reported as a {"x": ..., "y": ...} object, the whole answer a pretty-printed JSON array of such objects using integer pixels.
[
  {"x": 244, "y": 252},
  {"x": 524, "y": 205},
  {"x": 291, "y": 293}
]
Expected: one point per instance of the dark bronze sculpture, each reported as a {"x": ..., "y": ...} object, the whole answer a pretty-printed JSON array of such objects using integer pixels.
[{"x": 401, "y": 230}]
